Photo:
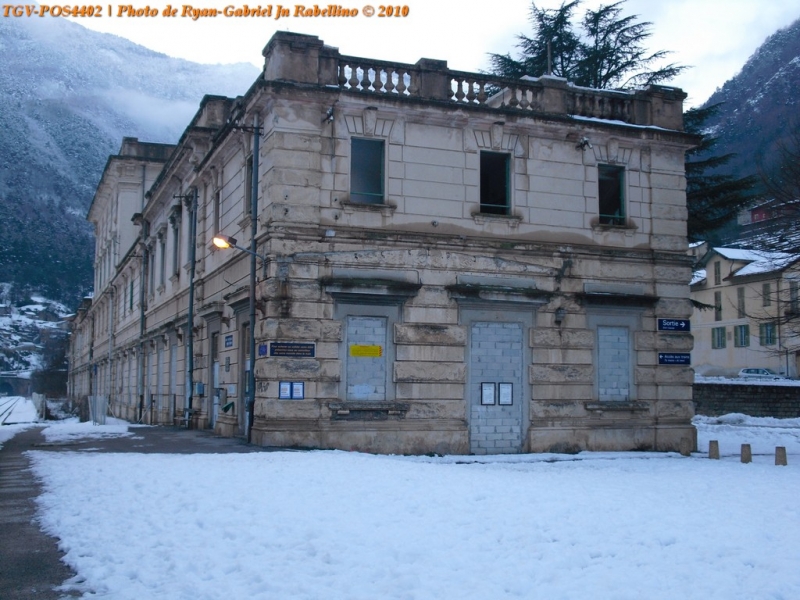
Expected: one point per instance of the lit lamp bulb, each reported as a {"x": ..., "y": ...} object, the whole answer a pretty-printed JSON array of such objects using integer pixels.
[{"x": 224, "y": 241}]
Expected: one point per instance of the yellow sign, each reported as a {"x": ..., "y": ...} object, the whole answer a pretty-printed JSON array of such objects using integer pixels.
[{"x": 364, "y": 351}]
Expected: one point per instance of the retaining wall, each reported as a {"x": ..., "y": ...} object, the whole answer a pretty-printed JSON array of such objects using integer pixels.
[{"x": 762, "y": 400}]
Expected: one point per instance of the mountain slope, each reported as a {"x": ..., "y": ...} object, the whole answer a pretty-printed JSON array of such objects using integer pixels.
[
  {"x": 67, "y": 97},
  {"x": 760, "y": 103}
]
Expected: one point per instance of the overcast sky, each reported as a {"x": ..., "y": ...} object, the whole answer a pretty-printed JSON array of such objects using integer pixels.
[{"x": 715, "y": 37}]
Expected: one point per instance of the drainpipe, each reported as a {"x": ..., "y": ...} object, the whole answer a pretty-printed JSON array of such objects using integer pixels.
[
  {"x": 143, "y": 271},
  {"x": 190, "y": 317},
  {"x": 251, "y": 377},
  {"x": 111, "y": 373}
]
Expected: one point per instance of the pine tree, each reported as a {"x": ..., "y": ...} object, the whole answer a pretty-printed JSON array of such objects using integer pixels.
[
  {"x": 608, "y": 52},
  {"x": 713, "y": 199}
]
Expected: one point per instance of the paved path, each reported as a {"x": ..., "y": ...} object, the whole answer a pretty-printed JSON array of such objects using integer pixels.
[{"x": 30, "y": 561}]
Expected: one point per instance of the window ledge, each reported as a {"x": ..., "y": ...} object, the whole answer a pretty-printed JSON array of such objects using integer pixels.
[
  {"x": 367, "y": 411},
  {"x": 387, "y": 210},
  {"x": 244, "y": 223},
  {"x": 628, "y": 229},
  {"x": 615, "y": 406},
  {"x": 486, "y": 218}
]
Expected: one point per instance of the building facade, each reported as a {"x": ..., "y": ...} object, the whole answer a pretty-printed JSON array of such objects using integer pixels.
[
  {"x": 448, "y": 262},
  {"x": 746, "y": 315}
]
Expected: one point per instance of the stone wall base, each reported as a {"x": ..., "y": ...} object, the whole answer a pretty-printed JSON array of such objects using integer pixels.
[
  {"x": 375, "y": 437},
  {"x": 660, "y": 438}
]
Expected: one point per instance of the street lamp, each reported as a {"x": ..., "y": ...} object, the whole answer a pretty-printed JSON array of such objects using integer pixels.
[{"x": 225, "y": 242}]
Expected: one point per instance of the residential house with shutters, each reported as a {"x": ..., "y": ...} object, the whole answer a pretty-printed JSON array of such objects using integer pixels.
[
  {"x": 747, "y": 312},
  {"x": 448, "y": 262}
]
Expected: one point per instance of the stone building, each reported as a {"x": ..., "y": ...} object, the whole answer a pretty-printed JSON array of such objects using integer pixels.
[{"x": 448, "y": 262}]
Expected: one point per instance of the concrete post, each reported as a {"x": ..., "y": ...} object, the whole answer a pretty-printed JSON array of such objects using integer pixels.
[
  {"x": 780, "y": 456},
  {"x": 747, "y": 454},
  {"x": 713, "y": 449}
]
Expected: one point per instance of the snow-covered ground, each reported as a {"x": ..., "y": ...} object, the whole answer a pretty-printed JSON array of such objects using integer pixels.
[{"x": 330, "y": 525}]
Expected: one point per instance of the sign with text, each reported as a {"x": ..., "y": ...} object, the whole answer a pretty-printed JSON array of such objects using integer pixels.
[
  {"x": 292, "y": 349},
  {"x": 291, "y": 390},
  {"x": 366, "y": 351},
  {"x": 674, "y": 325},
  {"x": 674, "y": 358}
]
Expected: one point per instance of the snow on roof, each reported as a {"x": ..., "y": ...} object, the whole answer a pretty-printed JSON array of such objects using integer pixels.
[
  {"x": 618, "y": 122},
  {"x": 698, "y": 276},
  {"x": 695, "y": 244},
  {"x": 759, "y": 261}
]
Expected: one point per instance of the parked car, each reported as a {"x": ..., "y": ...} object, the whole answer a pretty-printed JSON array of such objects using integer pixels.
[{"x": 760, "y": 374}]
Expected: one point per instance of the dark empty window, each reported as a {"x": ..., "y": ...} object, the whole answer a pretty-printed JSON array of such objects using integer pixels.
[
  {"x": 366, "y": 171},
  {"x": 494, "y": 183},
  {"x": 740, "y": 306},
  {"x": 248, "y": 186},
  {"x": 611, "y": 186}
]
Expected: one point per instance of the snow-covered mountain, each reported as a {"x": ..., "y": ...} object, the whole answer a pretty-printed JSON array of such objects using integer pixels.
[
  {"x": 760, "y": 103},
  {"x": 28, "y": 330},
  {"x": 67, "y": 97}
]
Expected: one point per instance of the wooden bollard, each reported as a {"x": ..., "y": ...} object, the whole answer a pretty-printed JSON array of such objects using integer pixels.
[
  {"x": 713, "y": 449},
  {"x": 747, "y": 454},
  {"x": 686, "y": 446},
  {"x": 780, "y": 456}
]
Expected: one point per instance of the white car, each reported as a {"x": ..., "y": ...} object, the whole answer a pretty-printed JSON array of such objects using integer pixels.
[{"x": 760, "y": 374}]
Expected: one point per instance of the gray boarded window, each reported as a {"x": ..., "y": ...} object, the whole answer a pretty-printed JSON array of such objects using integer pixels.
[{"x": 613, "y": 363}]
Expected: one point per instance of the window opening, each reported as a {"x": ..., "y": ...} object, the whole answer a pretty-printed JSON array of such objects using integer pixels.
[
  {"x": 718, "y": 337},
  {"x": 611, "y": 186},
  {"x": 741, "y": 336},
  {"x": 766, "y": 334},
  {"x": 494, "y": 178},
  {"x": 740, "y": 308},
  {"x": 248, "y": 186},
  {"x": 366, "y": 171}
]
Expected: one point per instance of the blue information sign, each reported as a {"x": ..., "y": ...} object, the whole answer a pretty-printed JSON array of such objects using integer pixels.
[
  {"x": 674, "y": 325},
  {"x": 674, "y": 358}
]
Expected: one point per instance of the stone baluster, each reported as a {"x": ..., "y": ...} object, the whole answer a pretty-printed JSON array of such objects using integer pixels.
[
  {"x": 365, "y": 82},
  {"x": 524, "y": 103},
  {"x": 482, "y": 95},
  {"x": 389, "y": 85},
  {"x": 342, "y": 79},
  {"x": 378, "y": 81},
  {"x": 471, "y": 91},
  {"x": 353, "y": 81},
  {"x": 459, "y": 89},
  {"x": 401, "y": 82}
]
